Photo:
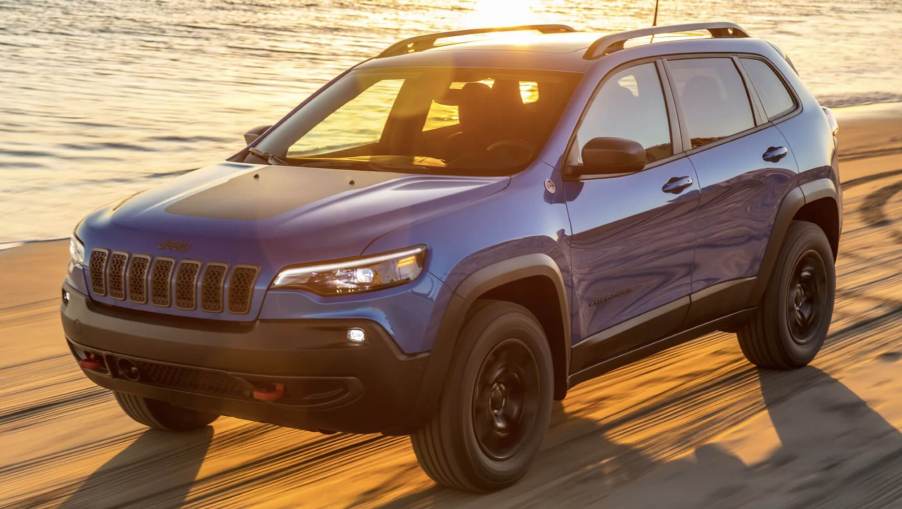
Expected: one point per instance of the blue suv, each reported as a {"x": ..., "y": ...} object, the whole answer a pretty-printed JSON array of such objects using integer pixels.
[{"x": 447, "y": 237}]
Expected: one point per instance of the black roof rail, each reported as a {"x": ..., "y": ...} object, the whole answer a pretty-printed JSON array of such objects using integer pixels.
[
  {"x": 614, "y": 42},
  {"x": 424, "y": 42}
]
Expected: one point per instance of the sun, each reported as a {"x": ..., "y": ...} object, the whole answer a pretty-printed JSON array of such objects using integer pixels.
[{"x": 501, "y": 13}]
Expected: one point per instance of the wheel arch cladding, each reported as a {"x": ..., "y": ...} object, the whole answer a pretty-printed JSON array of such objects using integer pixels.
[
  {"x": 510, "y": 280},
  {"x": 825, "y": 213},
  {"x": 539, "y": 295},
  {"x": 817, "y": 202}
]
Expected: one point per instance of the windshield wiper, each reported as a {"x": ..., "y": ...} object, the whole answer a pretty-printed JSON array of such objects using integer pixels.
[
  {"x": 357, "y": 164},
  {"x": 266, "y": 156},
  {"x": 346, "y": 164}
]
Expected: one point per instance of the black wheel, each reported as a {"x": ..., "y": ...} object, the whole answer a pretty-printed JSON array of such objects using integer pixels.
[
  {"x": 161, "y": 415},
  {"x": 496, "y": 404},
  {"x": 791, "y": 323}
]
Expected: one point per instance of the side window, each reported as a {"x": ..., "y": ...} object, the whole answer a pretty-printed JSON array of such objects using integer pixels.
[
  {"x": 629, "y": 105},
  {"x": 773, "y": 94},
  {"x": 712, "y": 98}
]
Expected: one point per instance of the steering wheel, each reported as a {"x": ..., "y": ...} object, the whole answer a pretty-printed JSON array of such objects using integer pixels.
[{"x": 510, "y": 144}]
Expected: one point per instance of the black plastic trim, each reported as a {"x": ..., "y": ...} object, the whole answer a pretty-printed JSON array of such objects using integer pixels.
[
  {"x": 724, "y": 323},
  {"x": 720, "y": 299},
  {"x": 354, "y": 388},
  {"x": 465, "y": 295},
  {"x": 818, "y": 189},
  {"x": 629, "y": 335},
  {"x": 794, "y": 200},
  {"x": 264, "y": 349}
]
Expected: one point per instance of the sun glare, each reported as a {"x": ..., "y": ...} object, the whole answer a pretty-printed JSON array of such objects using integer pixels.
[{"x": 501, "y": 13}]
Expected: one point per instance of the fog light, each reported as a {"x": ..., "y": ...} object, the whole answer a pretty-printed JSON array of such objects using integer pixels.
[
  {"x": 65, "y": 297},
  {"x": 356, "y": 335}
]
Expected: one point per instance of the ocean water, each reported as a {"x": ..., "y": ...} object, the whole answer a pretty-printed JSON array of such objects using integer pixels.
[{"x": 103, "y": 98}]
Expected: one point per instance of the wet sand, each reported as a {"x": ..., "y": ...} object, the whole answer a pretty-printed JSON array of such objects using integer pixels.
[{"x": 693, "y": 426}]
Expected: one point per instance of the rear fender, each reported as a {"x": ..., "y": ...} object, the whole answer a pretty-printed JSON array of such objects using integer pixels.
[{"x": 797, "y": 198}]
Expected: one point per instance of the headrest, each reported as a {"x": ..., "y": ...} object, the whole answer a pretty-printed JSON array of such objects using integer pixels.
[{"x": 474, "y": 108}]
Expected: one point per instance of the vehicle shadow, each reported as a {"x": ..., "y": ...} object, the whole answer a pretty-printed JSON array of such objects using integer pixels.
[
  {"x": 575, "y": 451},
  {"x": 833, "y": 450},
  {"x": 158, "y": 468},
  {"x": 852, "y": 455}
]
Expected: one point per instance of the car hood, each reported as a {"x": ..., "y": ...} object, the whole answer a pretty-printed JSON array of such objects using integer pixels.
[
  {"x": 288, "y": 214},
  {"x": 274, "y": 216}
]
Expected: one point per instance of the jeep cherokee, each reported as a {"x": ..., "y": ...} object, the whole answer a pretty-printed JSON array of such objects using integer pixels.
[{"x": 446, "y": 237}]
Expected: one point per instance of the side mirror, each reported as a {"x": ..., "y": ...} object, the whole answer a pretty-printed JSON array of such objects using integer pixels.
[
  {"x": 611, "y": 156},
  {"x": 255, "y": 133}
]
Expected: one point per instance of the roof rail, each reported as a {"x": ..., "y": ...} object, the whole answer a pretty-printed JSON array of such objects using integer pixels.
[
  {"x": 614, "y": 42},
  {"x": 424, "y": 42}
]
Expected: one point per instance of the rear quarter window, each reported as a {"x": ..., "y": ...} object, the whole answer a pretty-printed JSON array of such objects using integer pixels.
[
  {"x": 777, "y": 101},
  {"x": 712, "y": 97}
]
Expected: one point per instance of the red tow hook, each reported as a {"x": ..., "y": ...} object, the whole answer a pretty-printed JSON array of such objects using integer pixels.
[
  {"x": 269, "y": 392},
  {"x": 92, "y": 363}
]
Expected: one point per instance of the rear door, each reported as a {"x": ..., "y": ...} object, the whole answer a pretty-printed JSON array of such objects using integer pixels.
[
  {"x": 632, "y": 235},
  {"x": 744, "y": 167}
]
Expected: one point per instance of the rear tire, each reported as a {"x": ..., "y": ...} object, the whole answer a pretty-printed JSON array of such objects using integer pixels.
[
  {"x": 161, "y": 415},
  {"x": 496, "y": 403},
  {"x": 791, "y": 322}
]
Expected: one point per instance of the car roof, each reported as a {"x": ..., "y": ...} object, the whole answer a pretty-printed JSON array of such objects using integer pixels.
[
  {"x": 560, "y": 52},
  {"x": 555, "y": 51}
]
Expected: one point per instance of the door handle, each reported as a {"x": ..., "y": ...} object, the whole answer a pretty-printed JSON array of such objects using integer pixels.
[
  {"x": 774, "y": 154},
  {"x": 676, "y": 185}
]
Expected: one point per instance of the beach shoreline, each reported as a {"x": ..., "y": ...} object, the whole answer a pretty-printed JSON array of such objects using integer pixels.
[{"x": 868, "y": 130}]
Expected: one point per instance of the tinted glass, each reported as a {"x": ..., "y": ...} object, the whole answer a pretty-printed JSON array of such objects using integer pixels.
[
  {"x": 436, "y": 120},
  {"x": 712, "y": 97},
  {"x": 629, "y": 105},
  {"x": 445, "y": 114},
  {"x": 773, "y": 94},
  {"x": 367, "y": 113}
]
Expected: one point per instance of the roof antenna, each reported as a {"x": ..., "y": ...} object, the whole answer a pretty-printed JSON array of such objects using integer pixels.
[{"x": 654, "y": 21}]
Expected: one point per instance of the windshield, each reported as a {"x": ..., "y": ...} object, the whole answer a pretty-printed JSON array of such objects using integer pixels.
[{"x": 443, "y": 121}]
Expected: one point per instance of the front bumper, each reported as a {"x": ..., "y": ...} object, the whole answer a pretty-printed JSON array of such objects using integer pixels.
[{"x": 329, "y": 383}]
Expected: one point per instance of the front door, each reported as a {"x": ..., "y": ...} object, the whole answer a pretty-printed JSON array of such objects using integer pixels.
[{"x": 632, "y": 235}]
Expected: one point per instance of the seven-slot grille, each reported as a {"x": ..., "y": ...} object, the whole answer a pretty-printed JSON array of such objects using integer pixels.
[{"x": 163, "y": 282}]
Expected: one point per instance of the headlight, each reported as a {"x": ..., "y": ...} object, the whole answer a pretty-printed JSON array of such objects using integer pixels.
[
  {"x": 76, "y": 252},
  {"x": 358, "y": 275}
]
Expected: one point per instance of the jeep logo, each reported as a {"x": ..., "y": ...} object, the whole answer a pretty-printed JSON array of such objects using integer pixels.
[{"x": 174, "y": 245}]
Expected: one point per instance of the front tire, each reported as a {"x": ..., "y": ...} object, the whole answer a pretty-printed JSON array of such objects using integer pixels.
[
  {"x": 496, "y": 404},
  {"x": 791, "y": 323},
  {"x": 161, "y": 415}
]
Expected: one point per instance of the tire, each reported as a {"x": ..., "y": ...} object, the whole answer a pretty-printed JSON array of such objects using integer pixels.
[
  {"x": 161, "y": 415},
  {"x": 500, "y": 383},
  {"x": 791, "y": 322}
]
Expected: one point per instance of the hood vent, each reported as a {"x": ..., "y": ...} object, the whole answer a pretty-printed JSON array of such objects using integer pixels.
[{"x": 165, "y": 282}]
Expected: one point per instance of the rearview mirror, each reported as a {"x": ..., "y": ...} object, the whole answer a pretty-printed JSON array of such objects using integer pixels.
[
  {"x": 610, "y": 156},
  {"x": 255, "y": 133}
]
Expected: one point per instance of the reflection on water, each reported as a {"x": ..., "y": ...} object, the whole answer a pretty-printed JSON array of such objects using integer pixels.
[{"x": 104, "y": 98}]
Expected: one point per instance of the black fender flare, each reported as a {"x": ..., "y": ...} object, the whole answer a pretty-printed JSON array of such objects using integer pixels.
[
  {"x": 464, "y": 296},
  {"x": 794, "y": 200}
]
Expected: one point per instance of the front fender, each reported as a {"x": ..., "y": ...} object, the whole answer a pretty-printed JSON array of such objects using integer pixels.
[{"x": 465, "y": 294}]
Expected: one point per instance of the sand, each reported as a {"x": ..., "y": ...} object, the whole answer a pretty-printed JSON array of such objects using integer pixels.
[{"x": 694, "y": 426}]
